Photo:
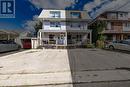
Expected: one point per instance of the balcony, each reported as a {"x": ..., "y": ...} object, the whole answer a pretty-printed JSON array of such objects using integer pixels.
[
  {"x": 116, "y": 31},
  {"x": 113, "y": 18}
]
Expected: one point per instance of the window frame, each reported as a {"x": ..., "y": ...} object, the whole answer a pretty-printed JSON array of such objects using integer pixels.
[
  {"x": 55, "y": 14},
  {"x": 55, "y": 24},
  {"x": 75, "y": 14},
  {"x": 75, "y": 25},
  {"x": 127, "y": 24}
]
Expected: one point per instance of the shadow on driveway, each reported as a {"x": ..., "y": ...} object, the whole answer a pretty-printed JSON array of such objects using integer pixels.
[{"x": 82, "y": 61}]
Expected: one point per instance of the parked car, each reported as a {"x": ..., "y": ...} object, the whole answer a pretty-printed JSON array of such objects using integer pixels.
[
  {"x": 6, "y": 45},
  {"x": 121, "y": 45}
]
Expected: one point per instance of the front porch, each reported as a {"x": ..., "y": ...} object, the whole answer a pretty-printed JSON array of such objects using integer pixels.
[{"x": 64, "y": 39}]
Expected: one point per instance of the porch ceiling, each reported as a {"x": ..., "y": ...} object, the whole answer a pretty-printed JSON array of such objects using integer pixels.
[{"x": 58, "y": 31}]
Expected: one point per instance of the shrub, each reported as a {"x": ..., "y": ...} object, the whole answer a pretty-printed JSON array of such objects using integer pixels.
[
  {"x": 89, "y": 46},
  {"x": 100, "y": 44}
]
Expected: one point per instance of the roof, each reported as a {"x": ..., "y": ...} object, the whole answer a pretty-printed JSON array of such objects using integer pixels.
[
  {"x": 62, "y": 9},
  {"x": 114, "y": 11},
  {"x": 126, "y": 7},
  {"x": 2, "y": 31}
]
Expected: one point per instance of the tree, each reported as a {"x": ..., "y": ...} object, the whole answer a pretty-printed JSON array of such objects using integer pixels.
[
  {"x": 98, "y": 27},
  {"x": 101, "y": 25},
  {"x": 38, "y": 26},
  {"x": 33, "y": 25}
]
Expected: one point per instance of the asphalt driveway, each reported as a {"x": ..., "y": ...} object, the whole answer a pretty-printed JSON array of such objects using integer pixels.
[{"x": 99, "y": 68}]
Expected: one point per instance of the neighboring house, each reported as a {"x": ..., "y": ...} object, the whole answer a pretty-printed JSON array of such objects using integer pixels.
[
  {"x": 118, "y": 25},
  {"x": 8, "y": 34},
  {"x": 64, "y": 28}
]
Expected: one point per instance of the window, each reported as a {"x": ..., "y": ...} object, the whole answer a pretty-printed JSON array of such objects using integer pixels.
[
  {"x": 75, "y": 14},
  {"x": 75, "y": 25},
  {"x": 127, "y": 24},
  {"x": 125, "y": 42},
  {"x": 55, "y": 14},
  {"x": 112, "y": 15},
  {"x": 55, "y": 24},
  {"x": 121, "y": 15}
]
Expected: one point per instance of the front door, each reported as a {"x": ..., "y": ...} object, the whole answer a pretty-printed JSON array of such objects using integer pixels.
[
  {"x": 61, "y": 39},
  {"x": 51, "y": 39}
]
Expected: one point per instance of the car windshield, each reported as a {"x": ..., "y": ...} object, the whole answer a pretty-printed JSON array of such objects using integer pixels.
[
  {"x": 3, "y": 42},
  {"x": 7, "y": 42}
]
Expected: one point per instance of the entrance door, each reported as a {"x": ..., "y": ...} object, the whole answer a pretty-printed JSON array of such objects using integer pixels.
[
  {"x": 51, "y": 39},
  {"x": 61, "y": 39}
]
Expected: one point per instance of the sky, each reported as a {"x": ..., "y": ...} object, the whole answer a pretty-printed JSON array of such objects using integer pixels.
[{"x": 27, "y": 11}]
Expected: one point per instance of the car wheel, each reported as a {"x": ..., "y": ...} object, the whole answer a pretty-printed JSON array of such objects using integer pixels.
[{"x": 111, "y": 47}]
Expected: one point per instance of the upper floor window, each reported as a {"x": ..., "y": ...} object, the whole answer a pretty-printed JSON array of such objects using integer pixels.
[
  {"x": 127, "y": 24},
  {"x": 55, "y": 24},
  {"x": 75, "y": 25},
  {"x": 121, "y": 15},
  {"x": 75, "y": 14},
  {"x": 55, "y": 14},
  {"x": 112, "y": 15}
]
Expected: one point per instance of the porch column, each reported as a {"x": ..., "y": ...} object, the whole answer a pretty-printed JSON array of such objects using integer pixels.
[
  {"x": 90, "y": 37},
  {"x": 8, "y": 36},
  {"x": 122, "y": 37},
  {"x": 40, "y": 36},
  {"x": 114, "y": 37},
  {"x": 66, "y": 39}
]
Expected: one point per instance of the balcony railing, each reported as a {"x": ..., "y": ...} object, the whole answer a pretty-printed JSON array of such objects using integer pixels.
[
  {"x": 116, "y": 31},
  {"x": 112, "y": 31},
  {"x": 112, "y": 18}
]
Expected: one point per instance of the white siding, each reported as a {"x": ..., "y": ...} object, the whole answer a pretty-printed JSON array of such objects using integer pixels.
[
  {"x": 64, "y": 26},
  {"x": 46, "y": 26}
]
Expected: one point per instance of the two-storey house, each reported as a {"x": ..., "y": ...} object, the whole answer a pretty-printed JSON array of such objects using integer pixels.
[
  {"x": 118, "y": 25},
  {"x": 64, "y": 28}
]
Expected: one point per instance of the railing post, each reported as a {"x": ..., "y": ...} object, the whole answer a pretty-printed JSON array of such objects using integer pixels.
[
  {"x": 40, "y": 35},
  {"x": 66, "y": 39},
  {"x": 122, "y": 37}
]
